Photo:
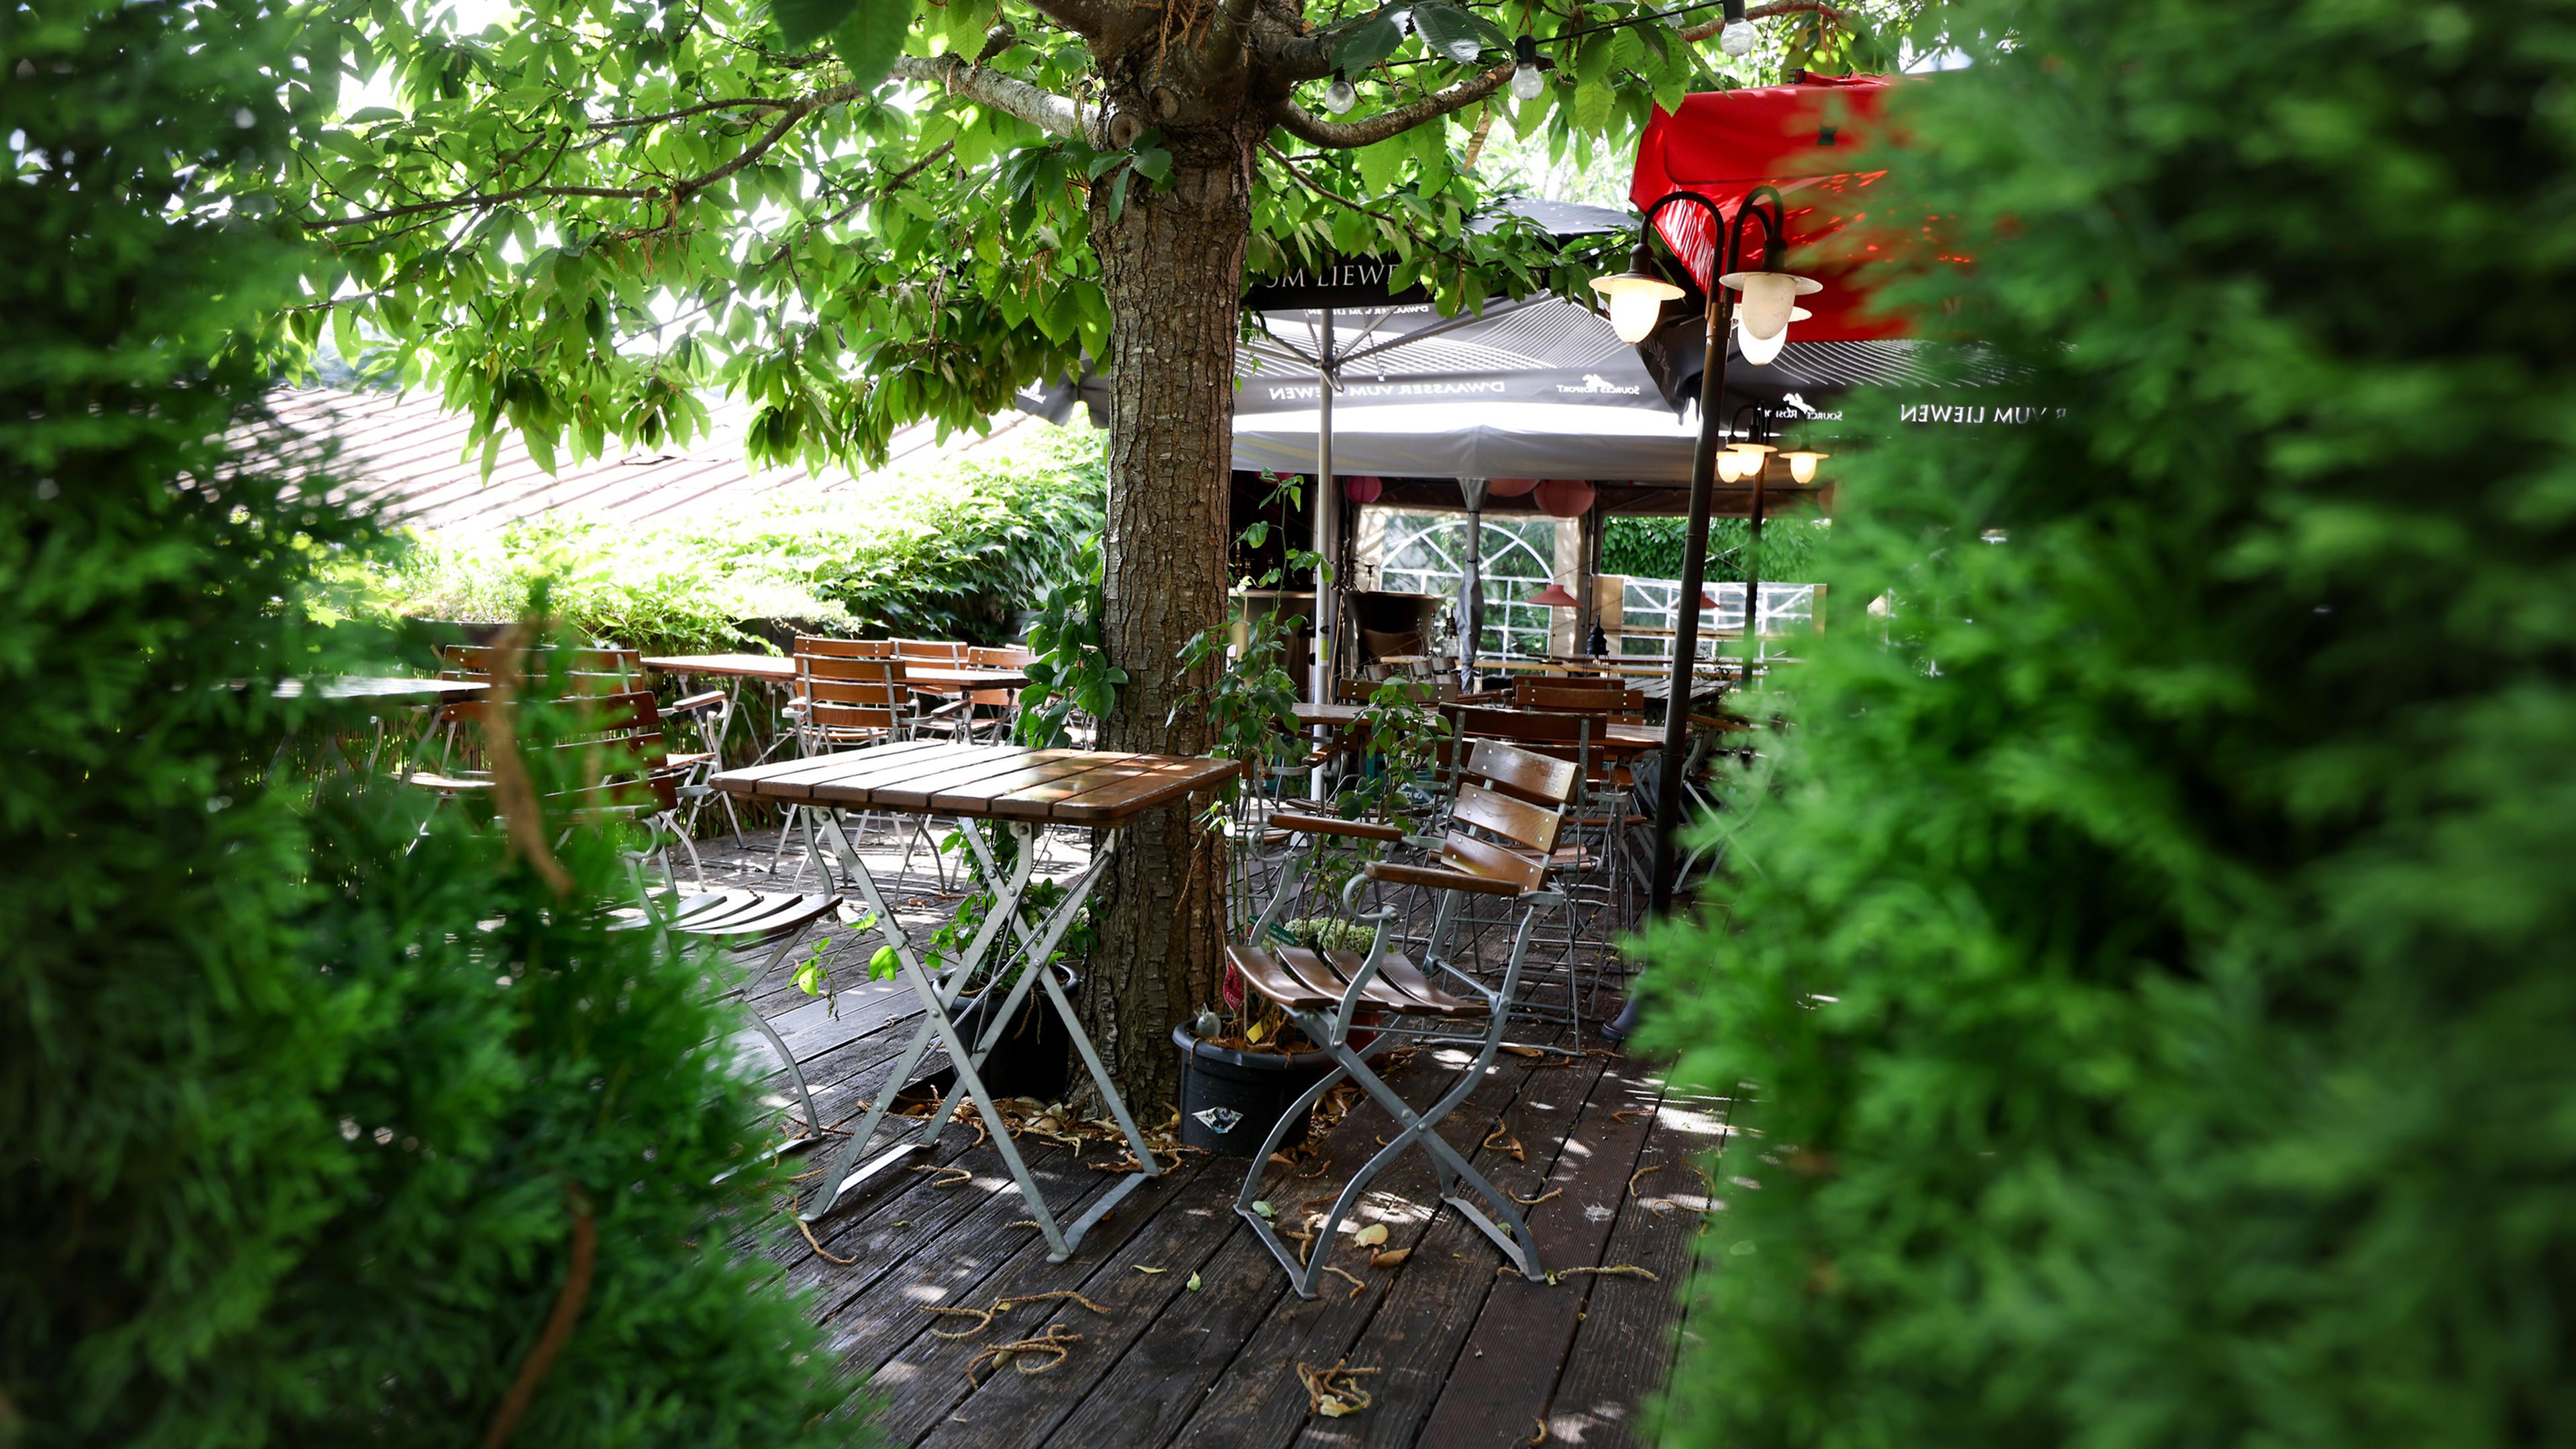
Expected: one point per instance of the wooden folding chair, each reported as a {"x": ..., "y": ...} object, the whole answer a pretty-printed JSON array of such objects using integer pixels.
[
  {"x": 741, "y": 922},
  {"x": 1494, "y": 851},
  {"x": 849, "y": 696}
]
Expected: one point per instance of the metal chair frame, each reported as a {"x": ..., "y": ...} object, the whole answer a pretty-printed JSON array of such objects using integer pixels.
[{"x": 1324, "y": 992}]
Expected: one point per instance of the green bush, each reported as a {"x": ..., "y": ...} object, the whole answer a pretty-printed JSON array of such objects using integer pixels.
[
  {"x": 2150, "y": 970},
  {"x": 1651, "y": 548},
  {"x": 944, "y": 552},
  {"x": 309, "y": 1125}
]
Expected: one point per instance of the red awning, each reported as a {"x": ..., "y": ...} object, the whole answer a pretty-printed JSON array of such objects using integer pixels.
[{"x": 1797, "y": 139}]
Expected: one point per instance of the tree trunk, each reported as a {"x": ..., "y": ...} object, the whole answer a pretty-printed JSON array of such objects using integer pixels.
[{"x": 1172, "y": 266}]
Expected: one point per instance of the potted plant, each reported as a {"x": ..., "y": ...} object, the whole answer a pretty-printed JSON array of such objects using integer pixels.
[{"x": 1243, "y": 1061}]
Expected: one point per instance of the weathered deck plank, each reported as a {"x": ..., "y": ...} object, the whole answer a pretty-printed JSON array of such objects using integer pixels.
[{"x": 1464, "y": 1355}]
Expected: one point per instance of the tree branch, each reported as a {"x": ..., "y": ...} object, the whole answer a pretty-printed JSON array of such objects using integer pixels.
[
  {"x": 1329, "y": 194},
  {"x": 737, "y": 103},
  {"x": 1693, "y": 34},
  {"x": 1054, "y": 114},
  {"x": 1370, "y": 130},
  {"x": 1310, "y": 57},
  {"x": 1087, "y": 18},
  {"x": 796, "y": 111},
  {"x": 1226, "y": 33}
]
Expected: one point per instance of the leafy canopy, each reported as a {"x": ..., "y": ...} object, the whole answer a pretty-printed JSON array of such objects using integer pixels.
[{"x": 573, "y": 216}]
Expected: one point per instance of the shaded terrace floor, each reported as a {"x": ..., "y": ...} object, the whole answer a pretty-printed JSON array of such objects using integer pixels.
[{"x": 1459, "y": 1353}]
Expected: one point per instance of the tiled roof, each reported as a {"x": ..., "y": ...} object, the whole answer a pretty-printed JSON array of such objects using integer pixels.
[{"x": 403, "y": 449}]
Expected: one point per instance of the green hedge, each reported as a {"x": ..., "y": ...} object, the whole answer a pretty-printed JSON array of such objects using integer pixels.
[
  {"x": 2150, "y": 972},
  {"x": 309, "y": 1123},
  {"x": 1651, "y": 548},
  {"x": 948, "y": 551}
]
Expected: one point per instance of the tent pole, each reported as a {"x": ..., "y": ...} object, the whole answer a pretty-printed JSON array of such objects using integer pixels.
[
  {"x": 1471, "y": 583},
  {"x": 1328, "y": 531},
  {"x": 1677, "y": 703}
]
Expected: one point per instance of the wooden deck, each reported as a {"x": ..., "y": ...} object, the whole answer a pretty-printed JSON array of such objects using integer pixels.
[{"x": 1454, "y": 1351}]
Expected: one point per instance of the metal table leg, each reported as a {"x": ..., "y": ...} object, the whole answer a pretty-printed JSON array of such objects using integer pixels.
[{"x": 939, "y": 991}]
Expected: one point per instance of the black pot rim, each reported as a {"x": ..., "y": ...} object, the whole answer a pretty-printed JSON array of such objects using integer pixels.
[
  {"x": 1190, "y": 1045},
  {"x": 1066, "y": 977}
]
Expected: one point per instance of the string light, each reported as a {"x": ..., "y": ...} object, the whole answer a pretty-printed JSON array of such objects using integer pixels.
[{"x": 1340, "y": 96}]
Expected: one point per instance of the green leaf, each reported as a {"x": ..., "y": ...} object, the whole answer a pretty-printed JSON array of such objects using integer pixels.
[
  {"x": 1592, "y": 102},
  {"x": 871, "y": 38},
  {"x": 1154, "y": 164},
  {"x": 1363, "y": 46},
  {"x": 884, "y": 964},
  {"x": 802, "y": 22},
  {"x": 1382, "y": 162},
  {"x": 1449, "y": 31}
]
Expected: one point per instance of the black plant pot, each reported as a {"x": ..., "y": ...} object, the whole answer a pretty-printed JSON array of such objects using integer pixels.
[
  {"x": 1031, "y": 1058},
  {"x": 1230, "y": 1099}
]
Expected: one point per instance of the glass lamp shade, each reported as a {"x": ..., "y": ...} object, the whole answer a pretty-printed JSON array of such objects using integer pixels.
[
  {"x": 1760, "y": 350},
  {"x": 1737, "y": 38},
  {"x": 1554, "y": 596},
  {"x": 1802, "y": 463},
  {"x": 1751, "y": 458},
  {"x": 1527, "y": 82},
  {"x": 1340, "y": 96},
  {"x": 1635, "y": 300},
  {"x": 1730, "y": 465}
]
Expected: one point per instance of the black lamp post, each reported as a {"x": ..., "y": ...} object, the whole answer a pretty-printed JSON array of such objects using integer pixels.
[{"x": 1635, "y": 299}]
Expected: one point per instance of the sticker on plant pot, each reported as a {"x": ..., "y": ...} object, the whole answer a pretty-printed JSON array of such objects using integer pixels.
[{"x": 1219, "y": 1119}]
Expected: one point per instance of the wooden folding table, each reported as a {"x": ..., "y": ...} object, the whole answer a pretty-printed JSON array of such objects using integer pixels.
[{"x": 1022, "y": 790}]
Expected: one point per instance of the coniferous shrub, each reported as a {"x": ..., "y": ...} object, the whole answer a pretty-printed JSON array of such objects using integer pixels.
[
  {"x": 2149, "y": 969},
  {"x": 310, "y": 1131}
]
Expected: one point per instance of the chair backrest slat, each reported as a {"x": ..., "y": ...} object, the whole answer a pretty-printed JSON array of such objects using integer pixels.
[
  {"x": 930, "y": 651},
  {"x": 1517, "y": 821},
  {"x": 1477, "y": 857},
  {"x": 820, "y": 645},
  {"x": 588, "y": 671},
  {"x": 847, "y": 692},
  {"x": 1522, "y": 774}
]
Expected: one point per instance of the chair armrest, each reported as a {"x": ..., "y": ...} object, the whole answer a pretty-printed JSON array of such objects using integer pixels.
[
  {"x": 691, "y": 705},
  {"x": 1328, "y": 825},
  {"x": 1439, "y": 878}
]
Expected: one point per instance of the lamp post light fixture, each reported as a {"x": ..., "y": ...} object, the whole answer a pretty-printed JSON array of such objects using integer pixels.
[
  {"x": 1802, "y": 462},
  {"x": 1635, "y": 299}
]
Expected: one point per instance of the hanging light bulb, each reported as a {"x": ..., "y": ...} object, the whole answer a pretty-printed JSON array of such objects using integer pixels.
[
  {"x": 1752, "y": 458},
  {"x": 1340, "y": 96},
  {"x": 1636, "y": 297},
  {"x": 1737, "y": 38},
  {"x": 1528, "y": 79},
  {"x": 1803, "y": 461},
  {"x": 1730, "y": 466}
]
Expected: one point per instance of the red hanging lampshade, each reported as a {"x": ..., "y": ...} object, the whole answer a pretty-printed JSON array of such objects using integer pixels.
[
  {"x": 1554, "y": 596},
  {"x": 1366, "y": 488},
  {"x": 1508, "y": 487},
  {"x": 1564, "y": 497},
  {"x": 1707, "y": 603}
]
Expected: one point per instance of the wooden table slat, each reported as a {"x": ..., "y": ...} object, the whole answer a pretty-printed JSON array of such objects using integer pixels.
[
  {"x": 960, "y": 769},
  {"x": 1001, "y": 796},
  {"x": 1167, "y": 778},
  {"x": 734, "y": 666},
  {"x": 787, "y": 779}
]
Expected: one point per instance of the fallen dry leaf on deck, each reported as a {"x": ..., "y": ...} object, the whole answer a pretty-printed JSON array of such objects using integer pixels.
[
  {"x": 1390, "y": 1258},
  {"x": 1193, "y": 1284},
  {"x": 1371, "y": 1236},
  {"x": 1141, "y": 1268}
]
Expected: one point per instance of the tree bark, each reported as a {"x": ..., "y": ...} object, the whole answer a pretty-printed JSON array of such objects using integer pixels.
[{"x": 1172, "y": 266}]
